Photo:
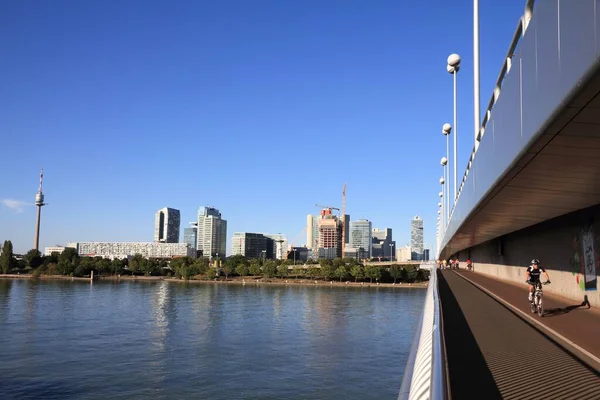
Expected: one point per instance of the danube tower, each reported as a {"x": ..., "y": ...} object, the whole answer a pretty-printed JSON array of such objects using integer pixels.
[{"x": 39, "y": 203}]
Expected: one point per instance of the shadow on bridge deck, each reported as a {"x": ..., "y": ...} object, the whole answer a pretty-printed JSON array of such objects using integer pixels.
[{"x": 493, "y": 353}]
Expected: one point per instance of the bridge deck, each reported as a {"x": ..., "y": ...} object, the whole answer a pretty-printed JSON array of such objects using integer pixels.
[{"x": 493, "y": 353}]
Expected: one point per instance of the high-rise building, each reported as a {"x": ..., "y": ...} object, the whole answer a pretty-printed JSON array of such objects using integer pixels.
[
  {"x": 250, "y": 245},
  {"x": 330, "y": 235},
  {"x": 166, "y": 225},
  {"x": 212, "y": 233},
  {"x": 360, "y": 236},
  {"x": 382, "y": 244},
  {"x": 347, "y": 225},
  {"x": 312, "y": 231},
  {"x": 416, "y": 238},
  {"x": 190, "y": 235}
]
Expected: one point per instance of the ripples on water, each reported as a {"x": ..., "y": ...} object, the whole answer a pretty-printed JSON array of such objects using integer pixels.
[{"x": 160, "y": 340}]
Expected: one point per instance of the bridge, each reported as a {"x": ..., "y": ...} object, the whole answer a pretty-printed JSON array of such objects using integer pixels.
[{"x": 531, "y": 189}]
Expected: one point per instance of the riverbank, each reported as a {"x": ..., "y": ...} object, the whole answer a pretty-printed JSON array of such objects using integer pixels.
[
  {"x": 302, "y": 282},
  {"x": 231, "y": 281}
]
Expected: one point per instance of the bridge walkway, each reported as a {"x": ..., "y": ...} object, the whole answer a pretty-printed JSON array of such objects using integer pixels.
[{"x": 494, "y": 351}]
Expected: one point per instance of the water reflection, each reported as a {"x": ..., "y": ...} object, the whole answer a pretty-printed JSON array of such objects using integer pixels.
[
  {"x": 5, "y": 289},
  {"x": 190, "y": 340}
]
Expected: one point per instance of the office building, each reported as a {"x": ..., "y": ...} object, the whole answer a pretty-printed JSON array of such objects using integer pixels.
[
  {"x": 416, "y": 238},
  {"x": 312, "y": 231},
  {"x": 166, "y": 225},
  {"x": 383, "y": 247},
  {"x": 249, "y": 245},
  {"x": 360, "y": 237},
  {"x": 212, "y": 233},
  {"x": 190, "y": 235}
]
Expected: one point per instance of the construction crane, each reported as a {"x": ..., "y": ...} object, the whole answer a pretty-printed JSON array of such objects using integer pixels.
[
  {"x": 298, "y": 237},
  {"x": 343, "y": 220},
  {"x": 327, "y": 207}
]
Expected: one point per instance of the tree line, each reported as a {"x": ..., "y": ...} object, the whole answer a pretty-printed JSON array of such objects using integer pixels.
[{"x": 69, "y": 263}]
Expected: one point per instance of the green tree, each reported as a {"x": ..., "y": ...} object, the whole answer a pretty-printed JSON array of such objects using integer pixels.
[
  {"x": 314, "y": 272},
  {"x": 7, "y": 259},
  {"x": 233, "y": 261},
  {"x": 149, "y": 267},
  {"x": 282, "y": 270},
  {"x": 227, "y": 269},
  {"x": 33, "y": 258},
  {"x": 341, "y": 272},
  {"x": 182, "y": 267},
  {"x": 255, "y": 267},
  {"x": 242, "y": 269},
  {"x": 395, "y": 272},
  {"x": 51, "y": 259},
  {"x": 116, "y": 266},
  {"x": 357, "y": 272},
  {"x": 411, "y": 273},
  {"x": 200, "y": 266},
  {"x": 373, "y": 272},
  {"x": 68, "y": 261},
  {"x": 270, "y": 269},
  {"x": 137, "y": 264},
  {"x": 326, "y": 268},
  {"x": 423, "y": 275},
  {"x": 299, "y": 271}
]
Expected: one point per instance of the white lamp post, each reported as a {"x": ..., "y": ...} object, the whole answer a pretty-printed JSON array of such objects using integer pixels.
[
  {"x": 444, "y": 163},
  {"x": 453, "y": 67}
]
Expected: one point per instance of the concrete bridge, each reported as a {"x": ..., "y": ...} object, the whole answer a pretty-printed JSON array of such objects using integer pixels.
[{"x": 531, "y": 189}]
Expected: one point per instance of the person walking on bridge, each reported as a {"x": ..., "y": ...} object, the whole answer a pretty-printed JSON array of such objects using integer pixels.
[{"x": 533, "y": 276}]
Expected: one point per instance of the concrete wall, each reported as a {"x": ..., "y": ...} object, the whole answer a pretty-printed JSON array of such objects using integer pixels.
[{"x": 561, "y": 244}]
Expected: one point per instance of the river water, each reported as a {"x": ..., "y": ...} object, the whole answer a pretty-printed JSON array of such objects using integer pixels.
[{"x": 168, "y": 340}]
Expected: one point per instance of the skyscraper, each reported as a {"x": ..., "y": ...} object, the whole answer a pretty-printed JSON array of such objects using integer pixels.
[
  {"x": 312, "y": 231},
  {"x": 212, "y": 233},
  {"x": 416, "y": 238},
  {"x": 166, "y": 225},
  {"x": 190, "y": 235},
  {"x": 360, "y": 237},
  {"x": 330, "y": 235}
]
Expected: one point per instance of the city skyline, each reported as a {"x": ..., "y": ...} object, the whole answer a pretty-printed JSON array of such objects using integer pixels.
[{"x": 249, "y": 81}]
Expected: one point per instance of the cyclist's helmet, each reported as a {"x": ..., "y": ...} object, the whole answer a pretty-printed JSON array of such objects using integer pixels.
[{"x": 535, "y": 261}]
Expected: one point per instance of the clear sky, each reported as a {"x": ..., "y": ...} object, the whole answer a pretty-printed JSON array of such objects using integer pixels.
[{"x": 260, "y": 108}]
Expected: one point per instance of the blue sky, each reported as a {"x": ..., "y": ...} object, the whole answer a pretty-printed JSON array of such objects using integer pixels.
[{"x": 260, "y": 108}]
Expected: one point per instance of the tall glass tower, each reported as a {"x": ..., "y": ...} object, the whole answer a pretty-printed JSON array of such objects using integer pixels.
[{"x": 416, "y": 238}]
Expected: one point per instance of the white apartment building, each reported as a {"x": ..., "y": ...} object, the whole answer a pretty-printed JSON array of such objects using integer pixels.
[
  {"x": 53, "y": 249},
  {"x": 120, "y": 250}
]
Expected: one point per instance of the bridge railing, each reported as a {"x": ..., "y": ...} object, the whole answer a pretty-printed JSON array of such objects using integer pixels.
[
  {"x": 537, "y": 78},
  {"x": 425, "y": 372}
]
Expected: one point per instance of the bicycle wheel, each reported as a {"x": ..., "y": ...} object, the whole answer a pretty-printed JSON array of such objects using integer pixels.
[
  {"x": 540, "y": 307},
  {"x": 533, "y": 306}
]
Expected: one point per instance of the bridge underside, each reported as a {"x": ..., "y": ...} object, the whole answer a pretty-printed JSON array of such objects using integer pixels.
[{"x": 558, "y": 174}]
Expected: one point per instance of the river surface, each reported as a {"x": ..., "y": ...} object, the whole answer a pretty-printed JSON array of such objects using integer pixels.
[{"x": 167, "y": 340}]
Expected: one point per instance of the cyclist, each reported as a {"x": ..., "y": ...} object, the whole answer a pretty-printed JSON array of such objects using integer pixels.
[{"x": 533, "y": 276}]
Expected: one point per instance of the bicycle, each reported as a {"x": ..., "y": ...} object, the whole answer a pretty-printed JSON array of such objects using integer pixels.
[{"x": 537, "y": 301}]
